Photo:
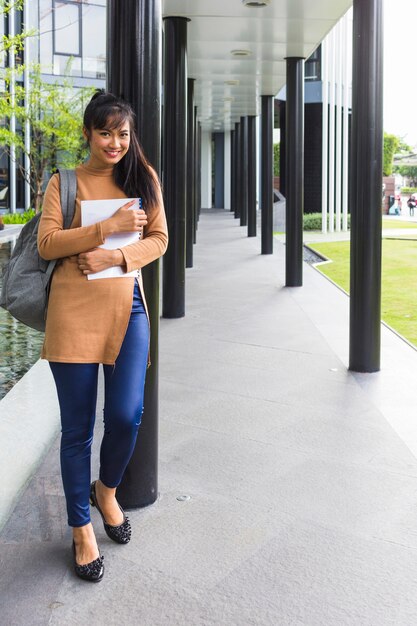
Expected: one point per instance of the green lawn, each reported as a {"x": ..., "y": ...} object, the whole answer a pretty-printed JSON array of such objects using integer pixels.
[
  {"x": 399, "y": 280},
  {"x": 388, "y": 223}
]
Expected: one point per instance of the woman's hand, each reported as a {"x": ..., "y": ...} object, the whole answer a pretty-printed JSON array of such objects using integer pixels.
[
  {"x": 126, "y": 219},
  {"x": 99, "y": 259}
]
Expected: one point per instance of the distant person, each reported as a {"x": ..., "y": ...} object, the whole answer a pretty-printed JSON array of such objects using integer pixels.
[
  {"x": 394, "y": 208},
  {"x": 411, "y": 203},
  {"x": 100, "y": 321},
  {"x": 398, "y": 205}
]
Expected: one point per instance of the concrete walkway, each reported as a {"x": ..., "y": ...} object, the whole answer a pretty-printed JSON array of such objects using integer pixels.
[{"x": 300, "y": 477}]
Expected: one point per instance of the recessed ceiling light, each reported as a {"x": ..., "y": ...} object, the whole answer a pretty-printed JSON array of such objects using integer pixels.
[
  {"x": 240, "y": 53},
  {"x": 231, "y": 82},
  {"x": 256, "y": 4}
]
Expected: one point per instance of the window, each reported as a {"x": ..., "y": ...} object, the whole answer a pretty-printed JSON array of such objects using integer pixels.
[
  {"x": 67, "y": 28},
  {"x": 2, "y": 55},
  {"x": 73, "y": 37},
  {"x": 94, "y": 41},
  {"x": 313, "y": 66}
]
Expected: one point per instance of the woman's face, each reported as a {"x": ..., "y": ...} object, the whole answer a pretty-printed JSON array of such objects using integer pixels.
[{"x": 108, "y": 146}]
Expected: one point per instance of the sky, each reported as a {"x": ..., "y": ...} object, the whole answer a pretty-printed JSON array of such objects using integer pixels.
[{"x": 400, "y": 65}]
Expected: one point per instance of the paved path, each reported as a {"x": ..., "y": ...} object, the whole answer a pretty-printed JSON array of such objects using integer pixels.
[{"x": 301, "y": 476}]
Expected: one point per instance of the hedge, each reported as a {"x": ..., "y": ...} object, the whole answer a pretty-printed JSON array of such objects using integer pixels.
[
  {"x": 18, "y": 218},
  {"x": 312, "y": 221},
  {"x": 409, "y": 190}
]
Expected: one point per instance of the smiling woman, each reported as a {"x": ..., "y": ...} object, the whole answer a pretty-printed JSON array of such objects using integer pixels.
[
  {"x": 108, "y": 145},
  {"x": 103, "y": 321}
]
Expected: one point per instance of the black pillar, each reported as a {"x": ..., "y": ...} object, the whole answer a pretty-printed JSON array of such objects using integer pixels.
[
  {"x": 134, "y": 49},
  {"x": 244, "y": 171},
  {"x": 197, "y": 173},
  {"x": 282, "y": 148},
  {"x": 267, "y": 171},
  {"x": 218, "y": 170},
  {"x": 232, "y": 170},
  {"x": 190, "y": 175},
  {"x": 238, "y": 164},
  {"x": 295, "y": 172},
  {"x": 175, "y": 163},
  {"x": 365, "y": 187},
  {"x": 251, "y": 176}
]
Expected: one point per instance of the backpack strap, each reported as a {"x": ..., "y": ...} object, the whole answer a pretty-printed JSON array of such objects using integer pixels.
[{"x": 68, "y": 192}]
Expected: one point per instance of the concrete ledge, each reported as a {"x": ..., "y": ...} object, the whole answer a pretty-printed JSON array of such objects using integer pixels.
[
  {"x": 10, "y": 231},
  {"x": 29, "y": 423}
]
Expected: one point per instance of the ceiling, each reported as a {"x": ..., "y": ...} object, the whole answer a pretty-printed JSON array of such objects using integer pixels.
[{"x": 283, "y": 28}]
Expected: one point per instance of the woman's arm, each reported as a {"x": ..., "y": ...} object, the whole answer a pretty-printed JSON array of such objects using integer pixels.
[
  {"x": 136, "y": 255},
  {"x": 154, "y": 242},
  {"x": 99, "y": 259},
  {"x": 55, "y": 242}
]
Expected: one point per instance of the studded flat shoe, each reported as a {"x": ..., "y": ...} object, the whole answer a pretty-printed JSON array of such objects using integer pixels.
[
  {"x": 120, "y": 533},
  {"x": 93, "y": 572}
]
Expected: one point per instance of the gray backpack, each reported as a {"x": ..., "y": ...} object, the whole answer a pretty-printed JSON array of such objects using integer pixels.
[{"x": 27, "y": 277}]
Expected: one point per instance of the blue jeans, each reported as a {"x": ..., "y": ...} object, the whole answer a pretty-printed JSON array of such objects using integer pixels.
[{"x": 76, "y": 385}]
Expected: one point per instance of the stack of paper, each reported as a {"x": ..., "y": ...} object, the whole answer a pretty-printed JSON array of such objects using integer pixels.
[{"x": 93, "y": 211}]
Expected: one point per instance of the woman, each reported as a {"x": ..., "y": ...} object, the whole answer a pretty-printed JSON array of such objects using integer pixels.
[{"x": 100, "y": 321}]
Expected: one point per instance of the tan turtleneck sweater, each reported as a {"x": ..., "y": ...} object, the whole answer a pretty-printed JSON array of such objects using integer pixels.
[{"x": 87, "y": 319}]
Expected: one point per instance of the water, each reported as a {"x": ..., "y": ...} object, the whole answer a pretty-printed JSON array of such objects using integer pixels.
[{"x": 20, "y": 346}]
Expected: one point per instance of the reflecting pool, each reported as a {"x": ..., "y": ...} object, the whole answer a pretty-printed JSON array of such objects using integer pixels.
[{"x": 20, "y": 346}]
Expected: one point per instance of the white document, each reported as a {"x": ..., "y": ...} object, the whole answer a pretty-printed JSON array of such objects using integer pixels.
[{"x": 93, "y": 211}]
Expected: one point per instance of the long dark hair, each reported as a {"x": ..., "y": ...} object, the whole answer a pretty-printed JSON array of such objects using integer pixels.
[{"x": 133, "y": 173}]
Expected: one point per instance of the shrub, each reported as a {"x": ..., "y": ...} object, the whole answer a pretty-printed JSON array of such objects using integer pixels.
[
  {"x": 18, "y": 218},
  {"x": 312, "y": 221},
  {"x": 408, "y": 190}
]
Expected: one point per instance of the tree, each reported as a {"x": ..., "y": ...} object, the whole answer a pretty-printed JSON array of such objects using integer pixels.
[
  {"x": 391, "y": 144},
  {"x": 408, "y": 171},
  {"x": 404, "y": 147},
  {"x": 54, "y": 111},
  {"x": 7, "y": 42}
]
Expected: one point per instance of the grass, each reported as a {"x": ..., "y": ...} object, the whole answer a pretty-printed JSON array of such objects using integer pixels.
[
  {"x": 397, "y": 224},
  {"x": 386, "y": 224},
  {"x": 399, "y": 280}
]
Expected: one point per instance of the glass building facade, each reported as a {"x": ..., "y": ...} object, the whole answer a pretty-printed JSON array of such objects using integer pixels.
[
  {"x": 72, "y": 38},
  {"x": 69, "y": 39}
]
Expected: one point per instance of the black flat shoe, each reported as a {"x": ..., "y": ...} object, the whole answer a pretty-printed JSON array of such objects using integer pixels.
[
  {"x": 92, "y": 572},
  {"x": 120, "y": 533}
]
